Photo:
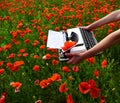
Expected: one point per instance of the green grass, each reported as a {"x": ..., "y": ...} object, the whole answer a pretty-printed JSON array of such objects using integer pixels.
[{"x": 38, "y": 10}]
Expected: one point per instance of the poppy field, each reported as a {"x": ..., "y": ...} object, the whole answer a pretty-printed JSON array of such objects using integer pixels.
[{"x": 32, "y": 73}]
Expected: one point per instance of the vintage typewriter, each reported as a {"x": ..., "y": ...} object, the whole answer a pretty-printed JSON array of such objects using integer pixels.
[{"x": 84, "y": 40}]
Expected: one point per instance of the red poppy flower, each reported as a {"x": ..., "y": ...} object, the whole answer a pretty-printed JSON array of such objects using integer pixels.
[
  {"x": 42, "y": 33},
  {"x": 18, "y": 63},
  {"x": 12, "y": 55},
  {"x": 55, "y": 55},
  {"x": 91, "y": 60},
  {"x": 55, "y": 62},
  {"x": 28, "y": 30},
  {"x": 48, "y": 16},
  {"x": 7, "y": 47},
  {"x": 112, "y": 25},
  {"x": 96, "y": 73},
  {"x": 95, "y": 92},
  {"x": 1, "y": 37},
  {"x": 44, "y": 38},
  {"x": 20, "y": 24},
  {"x": 20, "y": 55},
  {"x": 3, "y": 98},
  {"x": 70, "y": 77},
  {"x": 1, "y": 49},
  {"x": 1, "y": 63},
  {"x": 104, "y": 63},
  {"x": 9, "y": 64},
  {"x": 44, "y": 83},
  {"x": 16, "y": 84},
  {"x": 102, "y": 99},
  {"x": 13, "y": 68},
  {"x": 14, "y": 34},
  {"x": 63, "y": 88},
  {"x": 25, "y": 54},
  {"x": 84, "y": 87},
  {"x": 36, "y": 68},
  {"x": 75, "y": 69},
  {"x": 26, "y": 41},
  {"x": 65, "y": 69},
  {"x": 47, "y": 56},
  {"x": 38, "y": 101},
  {"x": 57, "y": 28},
  {"x": 64, "y": 28},
  {"x": 92, "y": 83},
  {"x": 22, "y": 50},
  {"x": 2, "y": 71},
  {"x": 42, "y": 47},
  {"x": 14, "y": 40},
  {"x": 37, "y": 82},
  {"x": 68, "y": 45},
  {"x": 36, "y": 56},
  {"x": 70, "y": 99},
  {"x": 35, "y": 43},
  {"x": 110, "y": 31},
  {"x": 55, "y": 77}
]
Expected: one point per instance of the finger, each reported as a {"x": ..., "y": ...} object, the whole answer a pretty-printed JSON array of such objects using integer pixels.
[
  {"x": 82, "y": 27},
  {"x": 71, "y": 61},
  {"x": 68, "y": 54}
]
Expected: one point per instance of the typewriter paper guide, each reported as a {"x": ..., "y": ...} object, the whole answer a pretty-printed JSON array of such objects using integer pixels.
[{"x": 55, "y": 39}]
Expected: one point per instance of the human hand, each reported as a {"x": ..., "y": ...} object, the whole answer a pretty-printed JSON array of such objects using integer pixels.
[{"x": 74, "y": 58}]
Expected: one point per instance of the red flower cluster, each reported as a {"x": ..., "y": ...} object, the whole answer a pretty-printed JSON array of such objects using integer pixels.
[
  {"x": 55, "y": 77},
  {"x": 90, "y": 86},
  {"x": 14, "y": 66},
  {"x": 67, "y": 69}
]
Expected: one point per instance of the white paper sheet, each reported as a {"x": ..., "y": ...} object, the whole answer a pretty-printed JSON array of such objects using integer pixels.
[{"x": 55, "y": 39}]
